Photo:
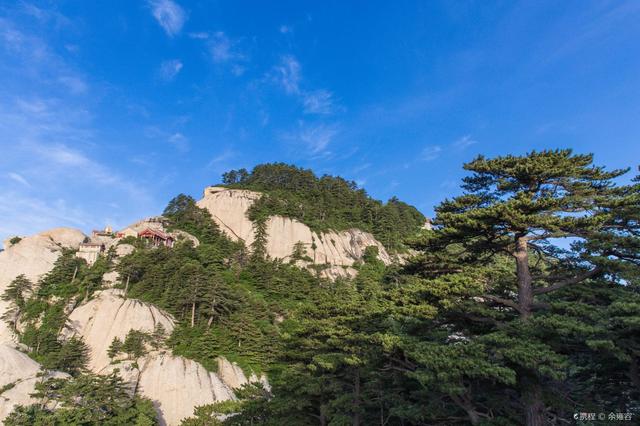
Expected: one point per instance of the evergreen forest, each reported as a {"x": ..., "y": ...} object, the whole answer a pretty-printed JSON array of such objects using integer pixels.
[{"x": 519, "y": 306}]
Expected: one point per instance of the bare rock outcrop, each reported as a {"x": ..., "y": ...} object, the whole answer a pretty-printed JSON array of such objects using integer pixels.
[
  {"x": 33, "y": 256},
  {"x": 175, "y": 384},
  {"x": 18, "y": 377},
  {"x": 109, "y": 315},
  {"x": 338, "y": 251}
]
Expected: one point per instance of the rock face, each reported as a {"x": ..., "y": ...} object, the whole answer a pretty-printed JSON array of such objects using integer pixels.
[
  {"x": 109, "y": 315},
  {"x": 33, "y": 256},
  {"x": 176, "y": 385},
  {"x": 18, "y": 375},
  {"x": 337, "y": 250}
]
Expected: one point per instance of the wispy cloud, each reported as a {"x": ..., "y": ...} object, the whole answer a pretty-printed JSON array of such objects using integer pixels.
[
  {"x": 18, "y": 178},
  {"x": 169, "y": 15},
  {"x": 221, "y": 48},
  {"x": 24, "y": 215},
  {"x": 464, "y": 142},
  {"x": 318, "y": 102},
  {"x": 169, "y": 69},
  {"x": 52, "y": 150},
  {"x": 34, "y": 59},
  {"x": 174, "y": 138},
  {"x": 180, "y": 141},
  {"x": 313, "y": 138},
  {"x": 430, "y": 153},
  {"x": 75, "y": 84},
  {"x": 287, "y": 74},
  {"x": 201, "y": 35},
  {"x": 285, "y": 29},
  {"x": 221, "y": 158}
]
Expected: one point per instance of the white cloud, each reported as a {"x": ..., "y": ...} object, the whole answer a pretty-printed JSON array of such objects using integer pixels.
[
  {"x": 287, "y": 74},
  {"x": 169, "y": 15},
  {"x": 61, "y": 154},
  {"x": 222, "y": 157},
  {"x": 75, "y": 84},
  {"x": 223, "y": 50},
  {"x": 37, "y": 62},
  {"x": 180, "y": 141},
  {"x": 18, "y": 178},
  {"x": 199, "y": 35},
  {"x": 318, "y": 102},
  {"x": 464, "y": 142},
  {"x": 314, "y": 139},
  {"x": 220, "y": 48},
  {"x": 50, "y": 145},
  {"x": 23, "y": 214},
  {"x": 170, "y": 69},
  {"x": 430, "y": 153}
]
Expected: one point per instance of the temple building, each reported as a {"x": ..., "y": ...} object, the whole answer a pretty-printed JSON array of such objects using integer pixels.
[
  {"x": 90, "y": 252},
  {"x": 156, "y": 237}
]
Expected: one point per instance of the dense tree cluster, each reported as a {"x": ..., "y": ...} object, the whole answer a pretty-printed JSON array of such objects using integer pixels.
[
  {"x": 325, "y": 202},
  {"x": 85, "y": 400},
  {"x": 521, "y": 306},
  {"x": 42, "y": 310}
]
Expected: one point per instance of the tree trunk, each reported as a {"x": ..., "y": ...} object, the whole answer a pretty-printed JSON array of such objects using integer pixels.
[
  {"x": 356, "y": 399},
  {"x": 465, "y": 404},
  {"x": 126, "y": 287},
  {"x": 634, "y": 373},
  {"x": 531, "y": 391},
  {"x": 193, "y": 314},
  {"x": 322, "y": 417},
  {"x": 533, "y": 405},
  {"x": 525, "y": 282}
]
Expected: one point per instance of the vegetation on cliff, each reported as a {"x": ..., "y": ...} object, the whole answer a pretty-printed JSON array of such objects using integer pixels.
[
  {"x": 326, "y": 202},
  {"x": 521, "y": 306}
]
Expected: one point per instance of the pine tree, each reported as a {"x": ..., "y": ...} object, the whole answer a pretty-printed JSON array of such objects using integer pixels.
[
  {"x": 114, "y": 348},
  {"x": 16, "y": 294},
  {"x": 134, "y": 344},
  {"x": 194, "y": 278},
  {"x": 158, "y": 336},
  {"x": 520, "y": 208}
]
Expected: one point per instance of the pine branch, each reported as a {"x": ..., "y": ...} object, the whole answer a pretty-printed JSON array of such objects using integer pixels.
[
  {"x": 575, "y": 280},
  {"x": 505, "y": 302}
]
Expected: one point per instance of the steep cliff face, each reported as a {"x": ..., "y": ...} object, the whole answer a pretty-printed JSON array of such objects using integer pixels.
[
  {"x": 33, "y": 256},
  {"x": 336, "y": 250},
  {"x": 175, "y": 384},
  {"x": 18, "y": 376},
  {"x": 107, "y": 316}
]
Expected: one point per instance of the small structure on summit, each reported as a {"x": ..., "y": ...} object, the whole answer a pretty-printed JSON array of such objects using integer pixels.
[
  {"x": 106, "y": 232},
  {"x": 157, "y": 237},
  {"x": 90, "y": 251}
]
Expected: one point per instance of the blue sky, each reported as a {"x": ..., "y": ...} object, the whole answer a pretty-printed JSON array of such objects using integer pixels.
[{"x": 109, "y": 109}]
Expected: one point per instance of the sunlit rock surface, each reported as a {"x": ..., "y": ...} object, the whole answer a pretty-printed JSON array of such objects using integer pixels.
[
  {"x": 33, "y": 256},
  {"x": 337, "y": 250},
  {"x": 18, "y": 377}
]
